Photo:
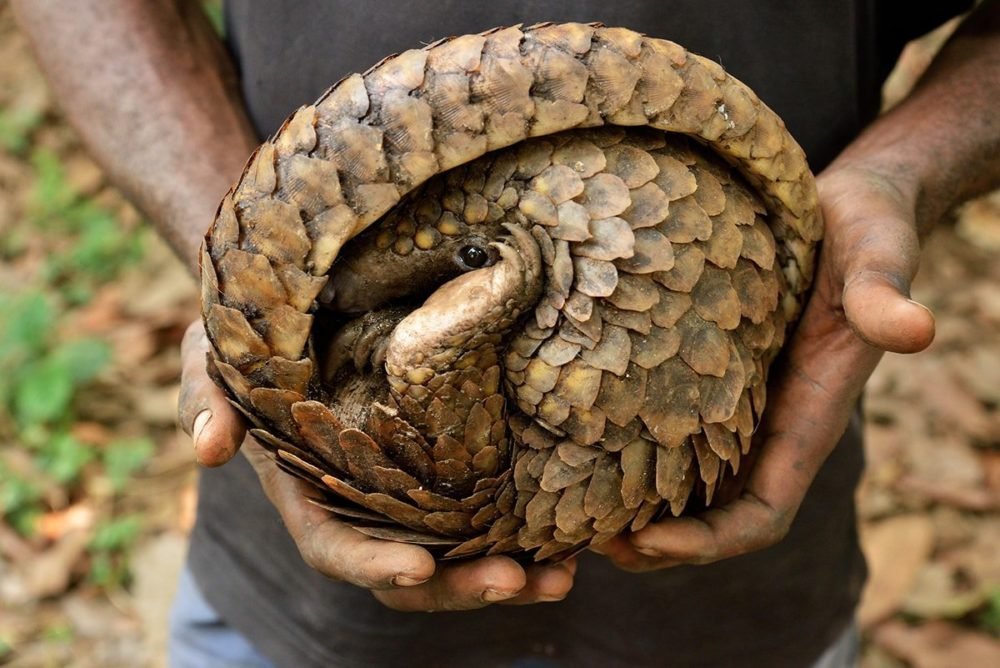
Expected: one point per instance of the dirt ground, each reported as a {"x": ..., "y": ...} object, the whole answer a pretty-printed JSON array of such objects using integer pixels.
[{"x": 928, "y": 504}]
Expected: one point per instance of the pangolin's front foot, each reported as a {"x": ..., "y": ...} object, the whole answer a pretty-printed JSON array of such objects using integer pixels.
[{"x": 361, "y": 342}]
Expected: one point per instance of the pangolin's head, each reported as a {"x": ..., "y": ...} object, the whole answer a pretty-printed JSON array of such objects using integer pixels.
[
  {"x": 453, "y": 225},
  {"x": 413, "y": 250}
]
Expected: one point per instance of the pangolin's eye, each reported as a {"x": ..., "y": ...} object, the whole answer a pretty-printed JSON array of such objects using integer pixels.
[{"x": 473, "y": 257}]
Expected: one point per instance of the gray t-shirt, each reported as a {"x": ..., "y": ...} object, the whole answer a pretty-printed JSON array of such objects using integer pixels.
[{"x": 819, "y": 65}]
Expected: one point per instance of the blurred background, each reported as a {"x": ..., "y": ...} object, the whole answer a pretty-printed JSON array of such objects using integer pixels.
[{"x": 97, "y": 485}]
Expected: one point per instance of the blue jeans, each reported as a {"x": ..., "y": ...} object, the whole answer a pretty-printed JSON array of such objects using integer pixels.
[{"x": 200, "y": 639}]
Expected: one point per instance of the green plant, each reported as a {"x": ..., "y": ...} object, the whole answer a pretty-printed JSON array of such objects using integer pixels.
[
  {"x": 93, "y": 248},
  {"x": 124, "y": 457},
  {"x": 43, "y": 370},
  {"x": 989, "y": 618},
  {"x": 6, "y": 648},
  {"x": 16, "y": 126},
  {"x": 109, "y": 550},
  {"x": 19, "y": 500},
  {"x": 214, "y": 10}
]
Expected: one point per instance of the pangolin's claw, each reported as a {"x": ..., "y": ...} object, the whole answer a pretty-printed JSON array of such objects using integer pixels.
[
  {"x": 340, "y": 350},
  {"x": 368, "y": 342},
  {"x": 521, "y": 250},
  {"x": 361, "y": 342}
]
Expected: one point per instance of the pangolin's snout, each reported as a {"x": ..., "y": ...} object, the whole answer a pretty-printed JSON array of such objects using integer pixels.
[{"x": 343, "y": 291}]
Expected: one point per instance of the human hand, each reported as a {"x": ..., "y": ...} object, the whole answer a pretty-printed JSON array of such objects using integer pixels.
[
  {"x": 859, "y": 308},
  {"x": 401, "y": 576}
]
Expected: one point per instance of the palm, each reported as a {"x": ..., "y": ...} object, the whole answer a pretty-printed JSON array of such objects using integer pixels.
[{"x": 858, "y": 309}]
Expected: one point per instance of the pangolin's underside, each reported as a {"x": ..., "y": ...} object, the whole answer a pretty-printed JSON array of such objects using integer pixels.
[{"x": 515, "y": 292}]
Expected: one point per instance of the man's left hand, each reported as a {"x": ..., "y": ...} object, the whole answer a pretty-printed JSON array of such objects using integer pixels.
[{"x": 859, "y": 308}]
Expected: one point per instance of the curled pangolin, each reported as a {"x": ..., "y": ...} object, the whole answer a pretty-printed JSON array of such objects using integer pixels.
[{"x": 514, "y": 292}]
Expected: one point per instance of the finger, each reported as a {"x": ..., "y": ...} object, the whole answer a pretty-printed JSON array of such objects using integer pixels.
[
  {"x": 808, "y": 412},
  {"x": 877, "y": 305},
  {"x": 332, "y": 547},
  {"x": 876, "y": 251},
  {"x": 464, "y": 586},
  {"x": 203, "y": 411},
  {"x": 746, "y": 525},
  {"x": 545, "y": 584},
  {"x": 811, "y": 398},
  {"x": 620, "y": 551}
]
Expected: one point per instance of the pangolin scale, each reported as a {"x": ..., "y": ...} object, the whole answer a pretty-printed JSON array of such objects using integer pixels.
[{"x": 515, "y": 292}]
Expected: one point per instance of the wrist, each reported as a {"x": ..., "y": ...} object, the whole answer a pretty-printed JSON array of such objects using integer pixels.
[
  {"x": 940, "y": 146},
  {"x": 918, "y": 170}
]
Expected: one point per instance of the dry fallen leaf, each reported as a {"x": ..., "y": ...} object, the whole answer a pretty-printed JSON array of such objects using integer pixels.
[
  {"x": 896, "y": 549},
  {"x": 48, "y": 574},
  {"x": 938, "y": 591},
  {"x": 978, "y": 223},
  {"x": 938, "y": 645},
  {"x": 956, "y": 406},
  {"x": 976, "y": 498},
  {"x": 55, "y": 525},
  {"x": 946, "y": 466}
]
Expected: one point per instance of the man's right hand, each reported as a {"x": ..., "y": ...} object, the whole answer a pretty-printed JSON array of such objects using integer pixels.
[{"x": 401, "y": 576}]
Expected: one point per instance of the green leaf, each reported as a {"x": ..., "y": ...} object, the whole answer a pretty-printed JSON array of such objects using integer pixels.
[
  {"x": 24, "y": 520},
  {"x": 43, "y": 392},
  {"x": 84, "y": 358},
  {"x": 99, "y": 251},
  {"x": 16, "y": 126},
  {"x": 44, "y": 388},
  {"x": 16, "y": 492},
  {"x": 101, "y": 569},
  {"x": 77, "y": 294},
  {"x": 115, "y": 534},
  {"x": 35, "y": 436},
  {"x": 125, "y": 457},
  {"x": 52, "y": 193},
  {"x": 990, "y": 617},
  {"x": 64, "y": 457},
  {"x": 25, "y": 323},
  {"x": 214, "y": 10},
  {"x": 60, "y": 632},
  {"x": 19, "y": 501}
]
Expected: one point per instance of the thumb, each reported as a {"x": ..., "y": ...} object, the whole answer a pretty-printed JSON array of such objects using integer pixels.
[
  {"x": 877, "y": 287},
  {"x": 203, "y": 410}
]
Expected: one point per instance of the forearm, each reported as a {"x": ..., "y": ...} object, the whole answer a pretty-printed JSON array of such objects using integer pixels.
[
  {"x": 941, "y": 145},
  {"x": 150, "y": 89}
]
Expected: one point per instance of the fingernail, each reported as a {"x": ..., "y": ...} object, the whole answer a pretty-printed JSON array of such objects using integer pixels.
[
  {"x": 919, "y": 304},
  {"x": 407, "y": 581},
  {"x": 199, "y": 424},
  {"x": 548, "y": 598},
  {"x": 493, "y": 595},
  {"x": 648, "y": 551}
]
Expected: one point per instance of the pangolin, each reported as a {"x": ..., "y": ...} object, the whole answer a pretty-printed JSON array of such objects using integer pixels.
[{"x": 515, "y": 292}]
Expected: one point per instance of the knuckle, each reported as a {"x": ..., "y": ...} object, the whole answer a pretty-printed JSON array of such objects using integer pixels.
[
  {"x": 706, "y": 559},
  {"x": 777, "y": 525},
  {"x": 319, "y": 559},
  {"x": 779, "y": 530},
  {"x": 399, "y": 601},
  {"x": 770, "y": 533},
  {"x": 309, "y": 554},
  {"x": 388, "y": 599},
  {"x": 630, "y": 563}
]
